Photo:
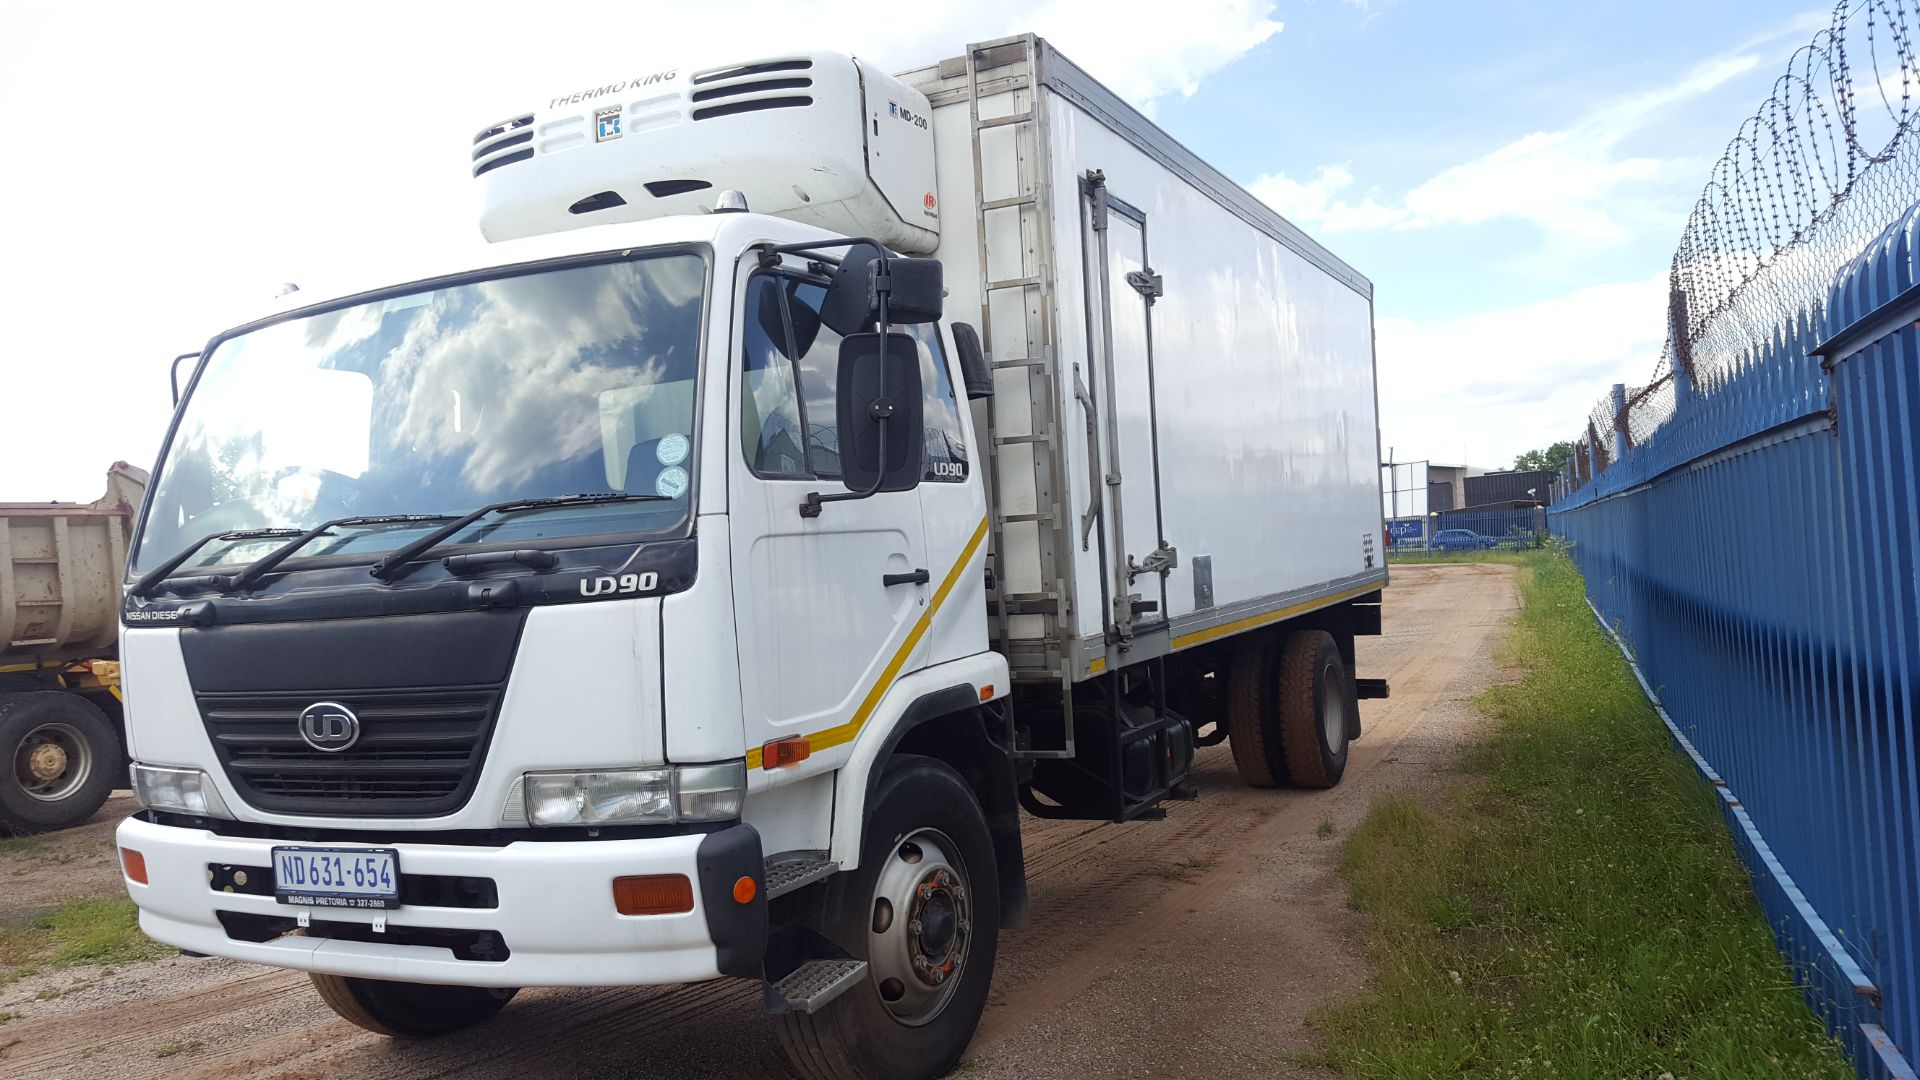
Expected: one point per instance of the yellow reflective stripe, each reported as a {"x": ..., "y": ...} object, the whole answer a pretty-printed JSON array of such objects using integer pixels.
[
  {"x": 834, "y": 736},
  {"x": 1276, "y": 615},
  {"x": 115, "y": 691}
]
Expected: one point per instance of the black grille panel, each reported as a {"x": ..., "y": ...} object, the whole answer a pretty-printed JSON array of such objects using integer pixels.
[
  {"x": 419, "y": 751},
  {"x": 732, "y": 108}
]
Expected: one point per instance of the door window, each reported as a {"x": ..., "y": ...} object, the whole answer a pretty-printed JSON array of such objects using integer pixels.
[{"x": 790, "y": 374}]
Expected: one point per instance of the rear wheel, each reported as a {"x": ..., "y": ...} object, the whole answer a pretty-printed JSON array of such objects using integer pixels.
[
  {"x": 1317, "y": 702},
  {"x": 404, "y": 1010},
  {"x": 923, "y": 910},
  {"x": 60, "y": 756},
  {"x": 1253, "y": 730}
]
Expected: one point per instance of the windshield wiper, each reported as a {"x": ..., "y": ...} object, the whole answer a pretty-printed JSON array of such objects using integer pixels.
[
  {"x": 154, "y": 576},
  {"x": 386, "y": 568},
  {"x": 264, "y": 565}
]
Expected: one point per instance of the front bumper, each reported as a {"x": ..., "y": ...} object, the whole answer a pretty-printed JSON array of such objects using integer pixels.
[{"x": 555, "y": 912}]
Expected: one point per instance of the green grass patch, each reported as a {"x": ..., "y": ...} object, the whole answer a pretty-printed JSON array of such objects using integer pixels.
[
  {"x": 91, "y": 930},
  {"x": 1575, "y": 908},
  {"x": 14, "y": 845}
]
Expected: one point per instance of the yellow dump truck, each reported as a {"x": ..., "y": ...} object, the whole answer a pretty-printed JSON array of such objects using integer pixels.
[{"x": 62, "y": 745}]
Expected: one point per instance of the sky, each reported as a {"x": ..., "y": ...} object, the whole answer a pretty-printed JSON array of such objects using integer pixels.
[{"x": 1513, "y": 176}]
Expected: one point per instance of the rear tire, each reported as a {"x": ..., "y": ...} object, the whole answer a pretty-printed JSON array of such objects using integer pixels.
[
  {"x": 403, "y": 1010},
  {"x": 924, "y": 821},
  {"x": 1318, "y": 702},
  {"x": 1253, "y": 731},
  {"x": 58, "y": 760}
]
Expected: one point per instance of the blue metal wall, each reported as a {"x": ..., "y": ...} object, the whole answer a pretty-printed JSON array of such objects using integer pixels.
[{"x": 1757, "y": 556}]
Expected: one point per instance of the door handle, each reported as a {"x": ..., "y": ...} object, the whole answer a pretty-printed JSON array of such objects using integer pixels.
[{"x": 917, "y": 577}]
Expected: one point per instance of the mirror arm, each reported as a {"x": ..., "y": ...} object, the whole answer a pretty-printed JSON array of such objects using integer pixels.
[
  {"x": 881, "y": 410},
  {"x": 174, "y": 375}
]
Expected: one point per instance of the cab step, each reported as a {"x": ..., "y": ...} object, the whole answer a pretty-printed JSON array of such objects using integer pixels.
[
  {"x": 813, "y": 984},
  {"x": 785, "y": 873}
]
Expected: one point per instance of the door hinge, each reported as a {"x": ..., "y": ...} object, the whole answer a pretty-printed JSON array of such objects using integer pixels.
[
  {"x": 1095, "y": 185},
  {"x": 1147, "y": 284}
]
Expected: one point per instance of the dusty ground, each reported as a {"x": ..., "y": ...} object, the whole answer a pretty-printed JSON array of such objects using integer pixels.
[
  {"x": 39, "y": 871},
  {"x": 1194, "y": 946}
]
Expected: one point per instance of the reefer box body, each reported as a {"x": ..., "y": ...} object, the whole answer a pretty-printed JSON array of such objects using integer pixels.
[{"x": 1184, "y": 381}]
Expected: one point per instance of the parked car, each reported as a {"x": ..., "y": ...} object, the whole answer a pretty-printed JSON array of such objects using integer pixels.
[{"x": 1463, "y": 540}]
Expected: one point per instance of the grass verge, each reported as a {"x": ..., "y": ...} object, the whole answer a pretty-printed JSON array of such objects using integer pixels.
[
  {"x": 1576, "y": 907},
  {"x": 91, "y": 930}
]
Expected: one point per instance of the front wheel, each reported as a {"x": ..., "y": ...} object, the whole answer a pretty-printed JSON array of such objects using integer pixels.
[
  {"x": 923, "y": 909},
  {"x": 404, "y": 1010}
]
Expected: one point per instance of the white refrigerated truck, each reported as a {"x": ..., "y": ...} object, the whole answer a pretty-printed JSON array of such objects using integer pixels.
[{"x": 825, "y": 468}]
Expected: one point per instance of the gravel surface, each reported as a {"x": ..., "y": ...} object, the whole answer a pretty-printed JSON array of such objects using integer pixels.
[
  {"x": 37, "y": 872},
  {"x": 1195, "y": 946}
]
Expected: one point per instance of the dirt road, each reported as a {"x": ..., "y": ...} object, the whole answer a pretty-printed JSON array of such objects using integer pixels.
[{"x": 1194, "y": 946}]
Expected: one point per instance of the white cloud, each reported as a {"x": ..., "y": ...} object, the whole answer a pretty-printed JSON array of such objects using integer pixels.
[
  {"x": 1571, "y": 182},
  {"x": 176, "y": 163},
  {"x": 1486, "y": 387}
]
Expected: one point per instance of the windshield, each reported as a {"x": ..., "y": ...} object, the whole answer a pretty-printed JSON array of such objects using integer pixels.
[{"x": 436, "y": 402}]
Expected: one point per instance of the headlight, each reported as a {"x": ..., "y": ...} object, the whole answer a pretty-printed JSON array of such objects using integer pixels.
[
  {"x": 637, "y": 796},
  {"x": 178, "y": 791}
]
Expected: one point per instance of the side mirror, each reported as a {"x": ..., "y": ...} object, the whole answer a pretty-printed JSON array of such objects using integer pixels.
[
  {"x": 915, "y": 289},
  {"x": 846, "y": 308},
  {"x": 974, "y": 369},
  {"x": 867, "y": 421}
]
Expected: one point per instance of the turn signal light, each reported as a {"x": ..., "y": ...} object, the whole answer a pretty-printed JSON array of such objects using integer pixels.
[
  {"x": 986, "y": 692},
  {"x": 135, "y": 865},
  {"x": 791, "y": 750},
  {"x": 744, "y": 890},
  {"x": 653, "y": 894}
]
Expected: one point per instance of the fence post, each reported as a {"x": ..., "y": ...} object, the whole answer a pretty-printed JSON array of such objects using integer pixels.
[{"x": 1618, "y": 449}]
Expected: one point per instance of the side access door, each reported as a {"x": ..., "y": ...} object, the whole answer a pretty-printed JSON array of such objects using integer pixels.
[
  {"x": 824, "y": 605},
  {"x": 1122, "y": 288}
]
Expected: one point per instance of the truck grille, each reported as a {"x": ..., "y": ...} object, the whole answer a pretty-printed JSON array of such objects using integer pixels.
[{"x": 418, "y": 754}]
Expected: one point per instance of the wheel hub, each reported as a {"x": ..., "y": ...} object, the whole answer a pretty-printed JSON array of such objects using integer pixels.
[
  {"x": 917, "y": 943},
  {"x": 934, "y": 930},
  {"x": 52, "y": 762},
  {"x": 46, "y": 762}
]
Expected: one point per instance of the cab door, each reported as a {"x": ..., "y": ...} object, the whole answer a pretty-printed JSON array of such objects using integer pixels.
[{"x": 825, "y": 605}]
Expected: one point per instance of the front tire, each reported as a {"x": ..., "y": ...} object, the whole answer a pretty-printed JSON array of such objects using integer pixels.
[
  {"x": 923, "y": 909},
  {"x": 59, "y": 755},
  {"x": 403, "y": 1010}
]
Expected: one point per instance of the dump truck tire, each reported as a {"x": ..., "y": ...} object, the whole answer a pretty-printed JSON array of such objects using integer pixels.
[
  {"x": 62, "y": 760},
  {"x": 1317, "y": 704}
]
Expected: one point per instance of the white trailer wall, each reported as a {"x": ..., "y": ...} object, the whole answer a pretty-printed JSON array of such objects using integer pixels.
[{"x": 1262, "y": 364}]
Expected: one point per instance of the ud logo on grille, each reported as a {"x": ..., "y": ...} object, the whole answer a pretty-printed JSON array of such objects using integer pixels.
[{"x": 329, "y": 726}]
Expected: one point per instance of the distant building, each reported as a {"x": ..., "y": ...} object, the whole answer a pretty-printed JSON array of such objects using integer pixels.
[
  {"x": 1446, "y": 486},
  {"x": 1511, "y": 487}
]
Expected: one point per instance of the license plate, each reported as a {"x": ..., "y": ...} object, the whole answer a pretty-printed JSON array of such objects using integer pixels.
[{"x": 337, "y": 877}]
